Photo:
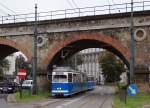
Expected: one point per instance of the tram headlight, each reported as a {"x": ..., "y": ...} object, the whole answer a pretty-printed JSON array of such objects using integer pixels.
[{"x": 58, "y": 88}]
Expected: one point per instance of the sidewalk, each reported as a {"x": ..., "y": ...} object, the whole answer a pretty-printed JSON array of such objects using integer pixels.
[
  {"x": 33, "y": 104},
  {"x": 146, "y": 106}
]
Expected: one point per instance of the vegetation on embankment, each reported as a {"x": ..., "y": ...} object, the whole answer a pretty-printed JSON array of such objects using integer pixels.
[
  {"x": 132, "y": 102},
  {"x": 27, "y": 96}
]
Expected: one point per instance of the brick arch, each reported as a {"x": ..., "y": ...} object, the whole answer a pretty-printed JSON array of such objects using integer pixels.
[
  {"x": 90, "y": 36},
  {"x": 17, "y": 46}
]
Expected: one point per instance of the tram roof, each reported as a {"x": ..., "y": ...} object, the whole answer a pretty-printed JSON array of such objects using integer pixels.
[{"x": 63, "y": 69}]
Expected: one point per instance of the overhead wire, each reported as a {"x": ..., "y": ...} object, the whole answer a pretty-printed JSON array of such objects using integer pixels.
[
  {"x": 113, "y": 2},
  {"x": 75, "y": 3},
  {"x": 8, "y": 8},
  {"x": 70, "y": 3},
  {"x": 4, "y": 13},
  {"x": 108, "y": 2}
]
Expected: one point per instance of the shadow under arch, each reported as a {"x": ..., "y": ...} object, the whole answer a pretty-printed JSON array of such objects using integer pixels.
[
  {"x": 82, "y": 41},
  {"x": 8, "y": 47}
]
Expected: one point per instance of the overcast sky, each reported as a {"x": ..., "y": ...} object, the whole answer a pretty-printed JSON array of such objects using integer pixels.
[{"x": 27, "y": 6}]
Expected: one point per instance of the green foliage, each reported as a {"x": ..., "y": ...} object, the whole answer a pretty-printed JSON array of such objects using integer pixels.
[
  {"x": 28, "y": 97},
  {"x": 22, "y": 64},
  {"x": 112, "y": 67},
  {"x": 122, "y": 85},
  {"x": 4, "y": 66},
  {"x": 132, "y": 101}
]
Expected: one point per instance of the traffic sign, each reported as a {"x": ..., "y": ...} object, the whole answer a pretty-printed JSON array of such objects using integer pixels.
[
  {"x": 22, "y": 73},
  {"x": 132, "y": 89}
]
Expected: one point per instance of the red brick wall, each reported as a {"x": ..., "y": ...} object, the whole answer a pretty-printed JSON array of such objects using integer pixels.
[
  {"x": 91, "y": 36},
  {"x": 17, "y": 46}
]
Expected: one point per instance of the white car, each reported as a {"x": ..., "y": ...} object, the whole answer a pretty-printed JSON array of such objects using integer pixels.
[{"x": 27, "y": 84}]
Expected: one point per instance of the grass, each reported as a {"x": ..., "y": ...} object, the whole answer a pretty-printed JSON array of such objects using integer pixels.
[
  {"x": 132, "y": 102},
  {"x": 28, "y": 97}
]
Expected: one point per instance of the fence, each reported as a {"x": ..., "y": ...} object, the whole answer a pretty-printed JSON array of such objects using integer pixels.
[{"x": 77, "y": 12}]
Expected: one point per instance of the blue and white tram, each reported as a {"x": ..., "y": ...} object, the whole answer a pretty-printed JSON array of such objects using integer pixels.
[
  {"x": 66, "y": 81},
  {"x": 90, "y": 82}
]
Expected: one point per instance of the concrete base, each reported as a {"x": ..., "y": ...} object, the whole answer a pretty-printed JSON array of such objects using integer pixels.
[
  {"x": 142, "y": 78},
  {"x": 43, "y": 83},
  {"x": 11, "y": 98}
]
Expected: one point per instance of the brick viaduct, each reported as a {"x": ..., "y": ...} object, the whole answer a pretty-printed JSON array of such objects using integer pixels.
[{"x": 111, "y": 32}]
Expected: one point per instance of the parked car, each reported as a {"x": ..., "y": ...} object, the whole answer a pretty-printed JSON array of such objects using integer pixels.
[
  {"x": 8, "y": 87},
  {"x": 27, "y": 84}
]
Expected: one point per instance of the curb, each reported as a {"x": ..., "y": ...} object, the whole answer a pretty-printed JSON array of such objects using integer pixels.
[
  {"x": 11, "y": 98},
  {"x": 146, "y": 106},
  {"x": 42, "y": 104},
  {"x": 113, "y": 106}
]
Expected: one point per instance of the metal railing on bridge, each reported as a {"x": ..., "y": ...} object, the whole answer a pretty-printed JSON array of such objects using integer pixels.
[{"x": 77, "y": 12}]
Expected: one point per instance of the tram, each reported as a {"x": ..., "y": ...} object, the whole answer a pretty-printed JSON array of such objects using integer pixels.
[
  {"x": 67, "y": 81},
  {"x": 90, "y": 82}
]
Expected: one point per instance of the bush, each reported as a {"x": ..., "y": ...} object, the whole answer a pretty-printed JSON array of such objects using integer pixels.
[{"x": 122, "y": 85}]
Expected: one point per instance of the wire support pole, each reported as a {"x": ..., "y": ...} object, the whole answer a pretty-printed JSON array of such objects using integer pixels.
[
  {"x": 35, "y": 54},
  {"x": 132, "y": 47}
]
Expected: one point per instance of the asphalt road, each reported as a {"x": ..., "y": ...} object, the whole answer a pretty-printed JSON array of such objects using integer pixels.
[
  {"x": 3, "y": 103},
  {"x": 100, "y": 97}
]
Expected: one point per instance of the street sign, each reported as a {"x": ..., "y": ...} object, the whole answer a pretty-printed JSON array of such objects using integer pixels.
[
  {"x": 22, "y": 73},
  {"x": 132, "y": 89}
]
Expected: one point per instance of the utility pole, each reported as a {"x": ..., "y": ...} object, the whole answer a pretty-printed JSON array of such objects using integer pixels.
[
  {"x": 132, "y": 47},
  {"x": 75, "y": 62},
  {"x": 35, "y": 54}
]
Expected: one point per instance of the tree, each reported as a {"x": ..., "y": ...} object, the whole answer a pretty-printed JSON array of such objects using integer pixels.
[
  {"x": 4, "y": 66},
  {"x": 112, "y": 67},
  {"x": 21, "y": 63}
]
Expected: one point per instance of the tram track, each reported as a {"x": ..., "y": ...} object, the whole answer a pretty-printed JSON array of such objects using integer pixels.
[
  {"x": 83, "y": 104},
  {"x": 90, "y": 99},
  {"x": 3, "y": 96},
  {"x": 98, "y": 98},
  {"x": 104, "y": 101}
]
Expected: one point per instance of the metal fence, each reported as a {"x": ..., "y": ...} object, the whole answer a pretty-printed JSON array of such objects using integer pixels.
[{"x": 77, "y": 12}]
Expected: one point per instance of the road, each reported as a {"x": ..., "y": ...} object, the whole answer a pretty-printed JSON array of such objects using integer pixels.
[
  {"x": 100, "y": 97},
  {"x": 3, "y": 103}
]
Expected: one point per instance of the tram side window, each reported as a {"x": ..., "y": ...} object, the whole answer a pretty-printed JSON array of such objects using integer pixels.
[
  {"x": 69, "y": 77},
  {"x": 74, "y": 78},
  {"x": 79, "y": 78},
  {"x": 92, "y": 79},
  {"x": 84, "y": 78}
]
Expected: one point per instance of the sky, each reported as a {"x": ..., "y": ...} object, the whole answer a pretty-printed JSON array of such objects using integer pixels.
[{"x": 27, "y": 6}]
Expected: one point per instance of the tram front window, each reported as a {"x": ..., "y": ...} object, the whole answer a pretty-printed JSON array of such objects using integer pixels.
[{"x": 60, "y": 78}]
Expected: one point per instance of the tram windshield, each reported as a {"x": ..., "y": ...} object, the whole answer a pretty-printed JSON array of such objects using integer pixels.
[{"x": 59, "y": 78}]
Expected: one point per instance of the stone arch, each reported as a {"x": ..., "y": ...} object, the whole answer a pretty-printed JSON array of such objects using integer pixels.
[
  {"x": 116, "y": 44},
  {"x": 17, "y": 46}
]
